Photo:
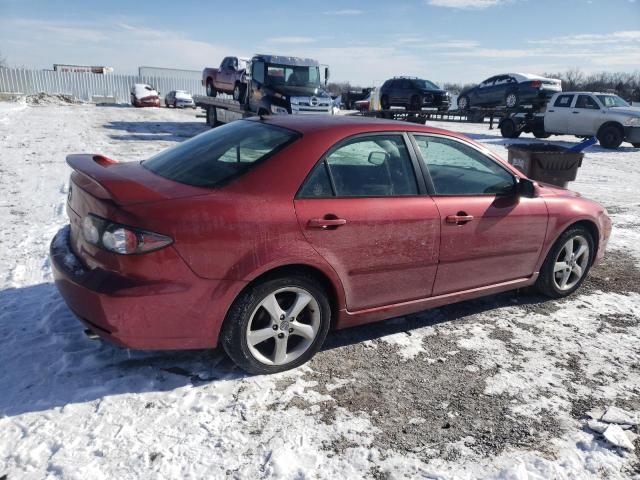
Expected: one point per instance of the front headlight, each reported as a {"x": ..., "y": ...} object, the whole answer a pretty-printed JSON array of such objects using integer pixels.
[
  {"x": 279, "y": 110},
  {"x": 632, "y": 121}
]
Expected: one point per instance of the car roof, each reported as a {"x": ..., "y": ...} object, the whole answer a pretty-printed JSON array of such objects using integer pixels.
[{"x": 347, "y": 124}]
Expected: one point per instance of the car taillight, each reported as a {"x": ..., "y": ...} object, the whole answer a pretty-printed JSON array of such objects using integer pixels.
[
  {"x": 121, "y": 239},
  {"x": 536, "y": 83}
]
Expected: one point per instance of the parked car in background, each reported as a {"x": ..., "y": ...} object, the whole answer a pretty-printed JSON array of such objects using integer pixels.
[
  {"x": 371, "y": 219},
  {"x": 143, "y": 95},
  {"x": 583, "y": 114},
  {"x": 228, "y": 78},
  {"x": 179, "y": 99},
  {"x": 350, "y": 97},
  {"x": 510, "y": 90},
  {"x": 413, "y": 94}
]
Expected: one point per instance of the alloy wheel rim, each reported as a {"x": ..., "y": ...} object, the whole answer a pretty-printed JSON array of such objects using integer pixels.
[
  {"x": 283, "y": 326},
  {"x": 462, "y": 103},
  {"x": 511, "y": 100},
  {"x": 571, "y": 263}
]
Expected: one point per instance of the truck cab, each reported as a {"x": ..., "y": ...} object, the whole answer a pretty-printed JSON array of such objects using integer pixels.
[
  {"x": 604, "y": 115},
  {"x": 282, "y": 85}
]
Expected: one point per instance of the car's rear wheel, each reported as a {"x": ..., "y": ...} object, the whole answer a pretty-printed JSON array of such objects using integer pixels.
[
  {"x": 610, "y": 136},
  {"x": 508, "y": 129},
  {"x": 384, "y": 102},
  {"x": 567, "y": 263},
  {"x": 175, "y": 104},
  {"x": 463, "y": 103},
  {"x": 277, "y": 324},
  {"x": 511, "y": 100}
]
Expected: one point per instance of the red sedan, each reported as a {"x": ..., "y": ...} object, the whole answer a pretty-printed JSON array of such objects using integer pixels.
[{"x": 262, "y": 234}]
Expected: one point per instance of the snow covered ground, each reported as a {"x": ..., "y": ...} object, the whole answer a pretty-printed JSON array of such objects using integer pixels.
[{"x": 499, "y": 387}]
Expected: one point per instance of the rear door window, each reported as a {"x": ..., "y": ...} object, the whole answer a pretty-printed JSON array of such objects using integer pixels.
[
  {"x": 216, "y": 156},
  {"x": 367, "y": 166},
  {"x": 563, "y": 101},
  {"x": 586, "y": 101}
]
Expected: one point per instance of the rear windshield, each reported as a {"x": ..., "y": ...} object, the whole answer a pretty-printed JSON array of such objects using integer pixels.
[{"x": 217, "y": 156}]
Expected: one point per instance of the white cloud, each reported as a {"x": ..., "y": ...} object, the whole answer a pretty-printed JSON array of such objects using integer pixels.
[
  {"x": 352, "y": 11},
  {"x": 291, "y": 40},
  {"x": 591, "y": 38},
  {"x": 466, "y": 4}
]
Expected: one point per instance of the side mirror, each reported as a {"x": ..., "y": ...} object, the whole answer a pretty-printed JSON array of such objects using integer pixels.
[
  {"x": 526, "y": 188},
  {"x": 377, "y": 158},
  {"x": 326, "y": 75}
]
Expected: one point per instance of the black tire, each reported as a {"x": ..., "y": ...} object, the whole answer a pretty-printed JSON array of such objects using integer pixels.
[
  {"x": 415, "y": 104},
  {"x": 212, "y": 117},
  {"x": 463, "y": 103},
  {"x": 541, "y": 134},
  {"x": 175, "y": 104},
  {"x": 545, "y": 282},
  {"x": 384, "y": 102},
  {"x": 238, "y": 92},
  {"x": 233, "y": 333},
  {"x": 512, "y": 100},
  {"x": 636, "y": 145},
  {"x": 610, "y": 136},
  {"x": 211, "y": 90},
  {"x": 508, "y": 129}
]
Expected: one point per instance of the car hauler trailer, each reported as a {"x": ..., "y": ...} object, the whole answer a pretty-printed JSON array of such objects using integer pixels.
[{"x": 276, "y": 85}]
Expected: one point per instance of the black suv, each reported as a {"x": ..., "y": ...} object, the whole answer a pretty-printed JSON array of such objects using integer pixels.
[{"x": 413, "y": 94}]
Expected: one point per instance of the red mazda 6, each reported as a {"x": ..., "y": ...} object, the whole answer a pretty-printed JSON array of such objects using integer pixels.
[{"x": 263, "y": 234}]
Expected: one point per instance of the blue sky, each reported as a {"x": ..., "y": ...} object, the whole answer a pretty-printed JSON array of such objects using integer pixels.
[{"x": 363, "y": 41}]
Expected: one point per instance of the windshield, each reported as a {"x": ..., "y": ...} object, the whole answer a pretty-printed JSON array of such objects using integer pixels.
[
  {"x": 287, "y": 75},
  {"x": 612, "y": 101},
  {"x": 216, "y": 156},
  {"x": 427, "y": 85}
]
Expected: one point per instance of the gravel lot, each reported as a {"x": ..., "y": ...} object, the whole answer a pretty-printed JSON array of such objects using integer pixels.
[{"x": 496, "y": 388}]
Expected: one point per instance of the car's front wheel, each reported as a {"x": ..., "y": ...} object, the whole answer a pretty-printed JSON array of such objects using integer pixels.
[
  {"x": 211, "y": 90},
  {"x": 567, "y": 263},
  {"x": 277, "y": 324}
]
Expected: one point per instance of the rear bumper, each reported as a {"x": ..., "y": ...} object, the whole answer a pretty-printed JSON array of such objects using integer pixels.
[
  {"x": 138, "y": 313},
  {"x": 632, "y": 134}
]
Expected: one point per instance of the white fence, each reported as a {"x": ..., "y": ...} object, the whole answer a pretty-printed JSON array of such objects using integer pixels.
[{"x": 84, "y": 86}]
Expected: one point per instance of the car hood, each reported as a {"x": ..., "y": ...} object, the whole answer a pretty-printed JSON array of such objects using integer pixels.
[{"x": 631, "y": 111}]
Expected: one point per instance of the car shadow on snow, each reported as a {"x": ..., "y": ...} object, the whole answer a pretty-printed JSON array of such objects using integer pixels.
[
  {"x": 156, "y": 131},
  {"x": 48, "y": 362}
]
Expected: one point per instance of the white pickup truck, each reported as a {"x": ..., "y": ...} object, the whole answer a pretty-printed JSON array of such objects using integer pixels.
[{"x": 583, "y": 114}]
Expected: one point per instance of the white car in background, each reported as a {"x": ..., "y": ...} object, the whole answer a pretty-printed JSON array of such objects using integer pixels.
[{"x": 179, "y": 99}]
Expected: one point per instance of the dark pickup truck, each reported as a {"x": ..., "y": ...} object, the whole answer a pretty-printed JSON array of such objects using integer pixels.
[{"x": 229, "y": 78}]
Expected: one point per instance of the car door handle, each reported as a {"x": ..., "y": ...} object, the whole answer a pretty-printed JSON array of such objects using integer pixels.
[
  {"x": 575, "y": 113},
  {"x": 458, "y": 219},
  {"x": 326, "y": 223}
]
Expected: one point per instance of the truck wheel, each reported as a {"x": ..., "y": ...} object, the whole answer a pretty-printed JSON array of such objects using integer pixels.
[
  {"x": 211, "y": 90},
  {"x": 541, "y": 134},
  {"x": 238, "y": 92},
  {"x": 384, "y": 102},
  {"x": 610, "y": 136},
  {"x": 463, "y": 103},
  {"x": 511, "y": 100},
  {"x": 508, "y": 129}
]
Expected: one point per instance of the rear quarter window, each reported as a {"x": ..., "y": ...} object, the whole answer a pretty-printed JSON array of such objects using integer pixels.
[{"x": 219, "y": 155}]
